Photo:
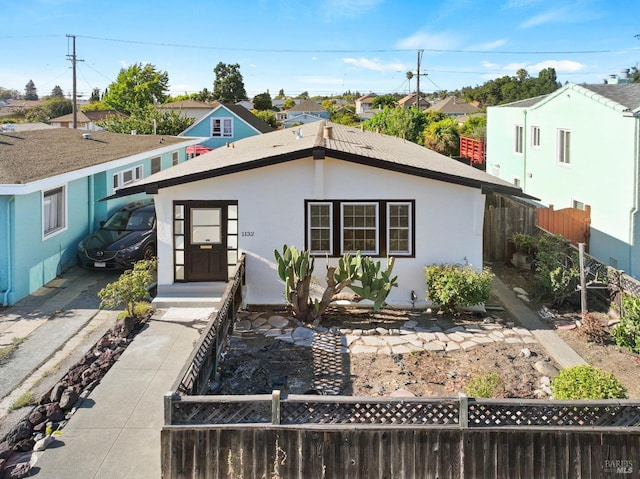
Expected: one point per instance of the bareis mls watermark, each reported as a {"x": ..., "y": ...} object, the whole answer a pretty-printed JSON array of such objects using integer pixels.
[{"x": 618, "y": 467}]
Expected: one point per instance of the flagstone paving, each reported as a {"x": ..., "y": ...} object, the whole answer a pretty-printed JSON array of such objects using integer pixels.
[{"x": 408, "y": 337}]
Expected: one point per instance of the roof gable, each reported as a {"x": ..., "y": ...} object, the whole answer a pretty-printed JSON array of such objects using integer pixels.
[
  {"x": 308, "y": 105},
  {"x": 347, "y": 143},
  {"x": 239, "y": 112}
]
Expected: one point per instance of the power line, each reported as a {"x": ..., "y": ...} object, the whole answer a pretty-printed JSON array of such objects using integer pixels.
[{"x": 384, "y": 50}]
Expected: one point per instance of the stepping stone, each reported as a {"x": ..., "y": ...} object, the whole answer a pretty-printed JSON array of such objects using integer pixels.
[
  {"x": 522, "y": 331},
  {"x": 529, "y": 339},
  {"x": 499, "y": 334},
  {"x": 455, "y": 329},
  {"x": 259, "y": 321},
  {"x": 473, "y": 327},
  {"x": 357, "y": 332},
  {"x": 410, "y": 324},
  {"x": 496, "y": 338},
  {"x": 509, "y": 332},
  {"x": 278, "y": 321},
  {"x": 452, "y": 346},
  {"x": 433, "y": 346},
  {"x": 349, "y": 339},
  {"x": 382, "y": 331},
  {"x": 303, "y": 333},
  {"x": 482, "y": 339},
  {"x": 442, "y": 337},
  {"x": 464, "y": 334},
  {"x": 384, "y": 350},
  {"x": 273, "y": 332},
  {"x": 286, "y": 338},
  {"x": 262, "y": 329},
  {"x": 373, "y": 341},
  {"x": 415, "y": 342},
  {"x": 242, "y": 326},
  {"x": 400, "y": 349},
  {"x": 513, "y": 340},
  {"x": 395, "y": 340},
  {"x": 427, "y": 336},
  {"x": 456, "y": 337},
  {"x": 466, "y": 345}
]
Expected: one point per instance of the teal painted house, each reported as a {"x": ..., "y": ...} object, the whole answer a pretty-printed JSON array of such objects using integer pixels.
[
  {"x": 50, "y": 184},
  {"x": 578, "y": 146},
  {"x": 226, "y": 123}
]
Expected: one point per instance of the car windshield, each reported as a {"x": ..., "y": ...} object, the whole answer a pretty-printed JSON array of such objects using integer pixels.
[{"x": 137, "y": 220}]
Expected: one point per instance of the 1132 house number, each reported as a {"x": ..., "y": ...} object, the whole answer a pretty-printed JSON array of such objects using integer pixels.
[{"x": 247, "y": 233}]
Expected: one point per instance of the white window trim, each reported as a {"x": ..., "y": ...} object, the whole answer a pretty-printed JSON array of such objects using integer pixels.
[
  {"x": 309, "y": 208},
  {"x": 535, "y": 139},
  {"x": 222, "y": 129},
  {"x": 49, "y": 234},
  {"x": 409, "y": 252},
  {"x": 561, "y": 153},
  {"x": 516, "y": 181},
  {"x": 518, "y": 140},
  {"x": 175, "y": 158},
  {"x": 377, "y": 226},
  {"x": 136, "y": 175}
]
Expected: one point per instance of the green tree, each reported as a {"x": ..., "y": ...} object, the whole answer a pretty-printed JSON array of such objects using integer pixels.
[
  {"x": 475, "y": 127},
  {"x": 635, "y": 74},
  {"x": 268, "y": 117},
  {"x": 51, "y": 108},
  {"x": 30, "y": 91},
  {"x": 344, "y": 116},
  {"x": 57, "y": 92},
  {"x": 142, "y": 121},
  {"x": 95, "y": 95},
  {"x": 384, "y": 100},
  {"x": 443, "y": 137},
  {"x": 228, "y": 85},
  {"x": 303, "y": 96},
  {"x": 262, "y": 101},
  {"x": 289, "y": 103},
  {"x": 8, "y": 94},
  {"x": 280, "y": 95},
  {"x": 136, "y": 87},
  {"x": 407, "y": 123}
]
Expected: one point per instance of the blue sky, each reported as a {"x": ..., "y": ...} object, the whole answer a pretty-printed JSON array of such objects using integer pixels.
[{"x": 321, "y": 46}]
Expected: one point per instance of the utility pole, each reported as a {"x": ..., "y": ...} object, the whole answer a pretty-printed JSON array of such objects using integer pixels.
[{"x": 73, "y": 59}]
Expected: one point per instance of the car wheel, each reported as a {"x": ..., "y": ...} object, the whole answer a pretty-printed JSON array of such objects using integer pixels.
[{"x": 148, "y": 252}]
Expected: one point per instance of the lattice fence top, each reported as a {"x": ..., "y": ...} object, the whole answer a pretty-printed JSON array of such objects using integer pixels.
[
  {"x": 344, "y": 410},
  {"x": 499, "y": 415}
]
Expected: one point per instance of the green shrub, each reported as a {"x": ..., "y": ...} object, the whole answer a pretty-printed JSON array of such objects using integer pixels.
[
  {"x": 484, "y": 385},
  {"x": 451, "y": 286},
  {"x": 557, "y": 271},
  {"x": 627, "y": 332},
  {"x": 130, "y": 288},
  {"x": 25, "y": 399},
  {"x": 587, "y": 382},
  {"x": 524, "y": 243}
]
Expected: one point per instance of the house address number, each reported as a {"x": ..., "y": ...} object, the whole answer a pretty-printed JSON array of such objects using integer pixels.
[{"x": 247, "y": 233}]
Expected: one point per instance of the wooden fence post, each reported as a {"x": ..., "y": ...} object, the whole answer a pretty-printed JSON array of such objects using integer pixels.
[
  {"x": 463, "y": 416},
  {"x": 168, "y": 407},
  {"x": 275, "y": 407}
]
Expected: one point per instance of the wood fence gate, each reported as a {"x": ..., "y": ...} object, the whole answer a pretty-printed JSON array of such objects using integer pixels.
[
  {"x": 503, "y": 216},
  {"x": 571, "y": 223}
]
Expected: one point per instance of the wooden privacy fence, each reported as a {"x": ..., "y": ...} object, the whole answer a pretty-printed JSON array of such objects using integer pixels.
[
  {"x": 571, "y": 223},
  {"x": 337, "y": 437},
  {"x": 503, "y": 216}
]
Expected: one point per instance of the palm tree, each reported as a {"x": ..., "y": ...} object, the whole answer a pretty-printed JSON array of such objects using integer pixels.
[{"x": 409, "y": 77}]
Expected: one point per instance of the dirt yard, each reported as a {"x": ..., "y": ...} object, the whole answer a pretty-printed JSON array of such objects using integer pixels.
[{"x": 259, "y": 364}]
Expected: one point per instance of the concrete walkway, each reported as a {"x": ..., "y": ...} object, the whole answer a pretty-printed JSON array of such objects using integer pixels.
[{"x": 116, "y": 431}]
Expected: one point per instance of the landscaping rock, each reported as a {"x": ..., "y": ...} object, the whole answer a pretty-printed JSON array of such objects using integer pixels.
[
  {"x": 68, "y": 399},
  {"x": 546, "y": 369}
]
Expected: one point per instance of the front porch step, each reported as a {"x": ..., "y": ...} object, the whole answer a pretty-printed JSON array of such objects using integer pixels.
[{"x": 189, "y": 295}]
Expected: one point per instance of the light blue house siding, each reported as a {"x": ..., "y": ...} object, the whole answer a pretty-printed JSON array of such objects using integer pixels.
[
  {"x": 28, "y": 258},
  {"x": 578, "y": 147},
  {"x": 224, "y": 125}
]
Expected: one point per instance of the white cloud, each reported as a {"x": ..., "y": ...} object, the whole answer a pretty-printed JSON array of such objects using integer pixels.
[
  {"x": 513, "y": 67},
  {"x": 427, "y": 41},
  {"x": 559, "y": 65},
  {"x": 489, "y": 45},
  {"x": 489, "y": 65},
  {"x": 550, "y": 16},
  {"x": 374, "y": 64}
]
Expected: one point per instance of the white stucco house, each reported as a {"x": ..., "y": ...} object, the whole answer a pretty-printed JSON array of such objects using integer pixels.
[{"x": 325, "y": 187}]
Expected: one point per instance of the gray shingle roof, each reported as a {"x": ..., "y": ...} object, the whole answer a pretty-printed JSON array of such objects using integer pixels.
[
  {"x": 33, "y": 155},
  {"x": 308, "y": 105},
  {"x": 348, "y": 143},
  {"x": 625, "y": 94},
  {"x": 250, "y": 118}
]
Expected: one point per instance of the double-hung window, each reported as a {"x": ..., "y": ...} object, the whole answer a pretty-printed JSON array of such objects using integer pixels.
[
  {"x": 53, "y": 211},
  {"x": 174, "y": 158},
  {"x": 124, "y": 177},
  {"x": 535, "y": 136},
  {"x": 375, "y": 228},
  {"x": 156, "y": 164},
  {"x": 519, "y": 139},
  {"x": 564, "y": 143},
  {"x": 222, "y": 127}
]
